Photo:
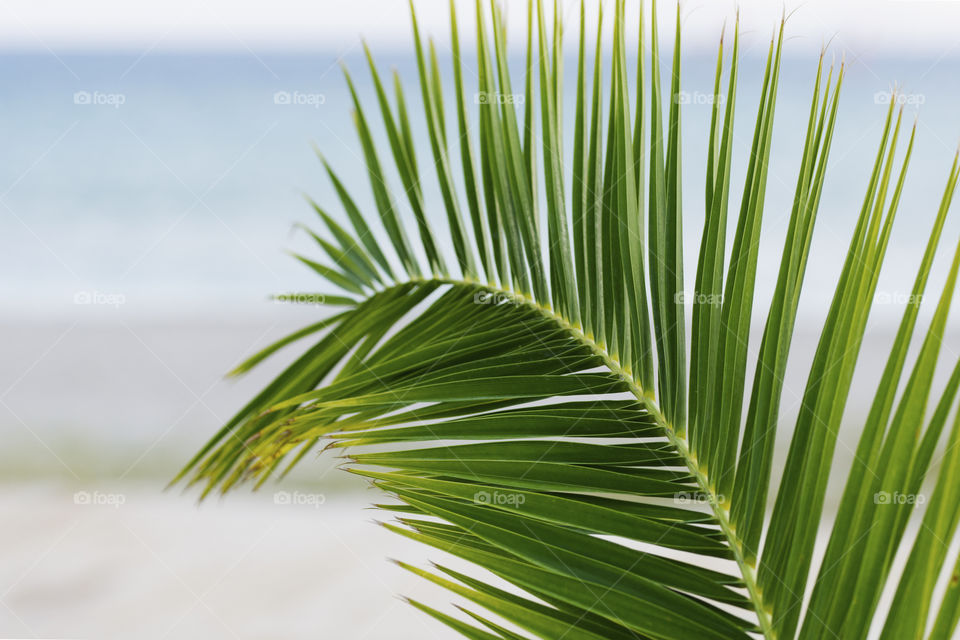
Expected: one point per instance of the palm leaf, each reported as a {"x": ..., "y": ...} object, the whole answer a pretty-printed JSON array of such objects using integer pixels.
[{"x": 538, "y": 412}]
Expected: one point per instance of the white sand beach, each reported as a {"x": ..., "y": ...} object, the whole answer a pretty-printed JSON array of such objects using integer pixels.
[{"x": 150, "y": 565}]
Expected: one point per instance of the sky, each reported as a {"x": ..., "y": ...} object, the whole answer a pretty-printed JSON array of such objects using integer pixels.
[{"x": 864, "y": 27}]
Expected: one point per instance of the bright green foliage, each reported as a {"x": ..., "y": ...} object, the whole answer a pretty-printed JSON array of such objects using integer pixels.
[{"x": 537, "y": 411}]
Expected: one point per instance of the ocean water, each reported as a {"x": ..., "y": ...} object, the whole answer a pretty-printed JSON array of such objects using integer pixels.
[
  {"x": 148, "y": 201},
  {"x": 181, "y": 176}
]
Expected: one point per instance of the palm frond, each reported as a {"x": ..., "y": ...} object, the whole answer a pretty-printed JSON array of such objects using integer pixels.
[{"x": 539, "y": 408}]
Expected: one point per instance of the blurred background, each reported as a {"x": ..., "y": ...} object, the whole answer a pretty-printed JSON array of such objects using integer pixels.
[{"x": 155, "y": 158}]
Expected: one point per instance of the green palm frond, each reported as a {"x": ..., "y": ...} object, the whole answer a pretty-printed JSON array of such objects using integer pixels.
[{"x": 522, "y": 379}]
